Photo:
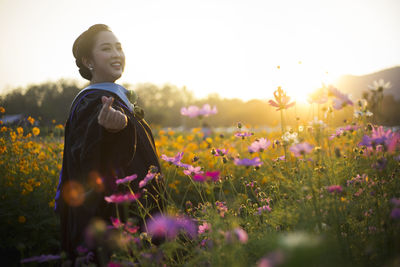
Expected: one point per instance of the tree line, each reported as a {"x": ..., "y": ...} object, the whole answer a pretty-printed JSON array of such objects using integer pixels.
[{"x": 50, "y": 101}]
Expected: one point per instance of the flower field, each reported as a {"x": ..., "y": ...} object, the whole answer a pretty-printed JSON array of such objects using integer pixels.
[{"x": 306, "y": 195}]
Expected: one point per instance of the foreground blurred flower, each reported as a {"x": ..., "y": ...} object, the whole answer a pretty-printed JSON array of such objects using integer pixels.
[
  {"x": 163, "y": 226},
  {"x": 379, "y": 85},
  {"x": 341, "y": 100},
  {"x": 259, "y": 145},
  {"x": 41, "y": 258},
  {"x": 281, "y": 100},
  {"x": 194, "y": 111},
  {"x": 248, "y": 162},
  {"x": 290, "y": 137},
  {"x": 120, "y": 198},
  {"x": 204, "y": 227},
  {"x": 239, "y": 234},
  {"x": 301, "y": 149},
  {"x": 127, "y": 179}
]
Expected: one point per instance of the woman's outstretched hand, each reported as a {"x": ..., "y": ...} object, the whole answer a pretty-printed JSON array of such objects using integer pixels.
[{"x": 111, "y": 119}]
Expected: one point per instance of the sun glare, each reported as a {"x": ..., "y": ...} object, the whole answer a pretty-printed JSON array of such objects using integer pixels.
[{"x": 300, "y": 79}]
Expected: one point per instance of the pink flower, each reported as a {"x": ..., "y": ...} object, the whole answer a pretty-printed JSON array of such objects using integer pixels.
[
  {"x": 130, "y": 228},
  {"x": 127, "y": 179},
  {"x": 209, "y": 175},
  {"x": 263, "y": 208},
  {"x": 259, "y": 145},
  {"x": 149, "y": 176},
  {"x": 119, "y": 198},
  {"x": 220, "y": 152},
  {"x": 301, "y": 149},
  {"x": 241, "y": 235},
  {"x": 116, "y": 222},
  {"x": 193, "y": 170},
  {"x": 204, "y": 227},
  {"x": 281, "y": 100},
  {"x": 334, "y": 189}
]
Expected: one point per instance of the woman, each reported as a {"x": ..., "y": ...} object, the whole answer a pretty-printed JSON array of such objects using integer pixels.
[{"x": 105, "y": 140}]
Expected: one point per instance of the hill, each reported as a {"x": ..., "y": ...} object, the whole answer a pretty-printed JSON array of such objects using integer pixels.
[{"x": 356, "y": 85}]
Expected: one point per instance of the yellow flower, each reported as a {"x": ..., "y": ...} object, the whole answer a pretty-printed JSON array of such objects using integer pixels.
[
  {"x": 53, "y": 121},
  {"x": 28, "y": 187},
  {"x": 59, "y": 126},
  {"x": 51, "y": 204},
  {"x": 13, "y": 136},
  {"x": 3, "y": 149},
  {"x": 20, "y": 131},
  {"x": 2, "y": 110},
  {"x": 170, "y": 132},
  {"x": 35, "y": 131},
  {"x": 31, "y": 120},
  {"x": 3, "y": 129},
  {"x": 21, "y": 219}
]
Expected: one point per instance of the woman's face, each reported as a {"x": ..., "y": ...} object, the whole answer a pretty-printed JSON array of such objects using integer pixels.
[{"x": 108, "y": 58}]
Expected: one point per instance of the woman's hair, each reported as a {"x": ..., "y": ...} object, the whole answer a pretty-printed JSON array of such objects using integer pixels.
[{"x": 83, "y": 47}]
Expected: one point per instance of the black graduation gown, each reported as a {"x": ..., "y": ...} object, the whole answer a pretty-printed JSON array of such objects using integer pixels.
[{"x": 91, "y": 151}]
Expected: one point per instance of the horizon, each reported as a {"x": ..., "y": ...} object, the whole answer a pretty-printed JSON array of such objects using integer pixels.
[{"x": 232, "y": 48}]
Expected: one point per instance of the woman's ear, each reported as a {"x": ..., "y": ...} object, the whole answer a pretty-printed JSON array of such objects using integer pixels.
[{"x": 88, "y": 63}]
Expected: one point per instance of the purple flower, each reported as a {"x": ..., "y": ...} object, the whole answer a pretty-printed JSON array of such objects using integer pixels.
[
  {"x": 301, "y": 149},
  {"x": 395, "y": 214},
  {"x": 194, "y": 111},
  {"x": 395, "y": 201},
  {"x": 41, "y": 258},
  {"x": 120, "y": 198},
  {"x": 175, "y": 160},
  {"x": 169, "y": 227},
  {"x": 259, "y": 145},
  {"x": 248, "y": 162},
  {"x": 127, "y": 179},
  {"x": 243, "y": 134},
  {"x": 334, "y": 189}
]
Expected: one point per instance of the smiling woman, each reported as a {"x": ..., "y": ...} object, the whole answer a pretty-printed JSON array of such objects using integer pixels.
[{"x": 105, "y": 140}]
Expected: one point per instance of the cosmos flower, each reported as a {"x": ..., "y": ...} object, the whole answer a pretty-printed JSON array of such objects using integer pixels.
[
  {"x": 340, "y": 99},
  {"x": 204, "y": 227},
  {"x": 220, "y": 152},
  {"x": 120, "y": 198},
  {"x": 127, "y": 179},
  {"x": 379, "y": 85},
  {"x": 248, "y": 162},
  {"x": 209, "y": 175},
  {"x": 281, "y": 100},
  {"x": 175, "y": 160},
  {"x": 380, "y": 138},
  {"x": 194, "y": 111},
  {"x": 259, "y": 145},
  {"x": 149, "y": 176},
  {"x": 243, "y": 134},
  {"x": 301, "y": 149},
  {"x": 193, "y": 170}
]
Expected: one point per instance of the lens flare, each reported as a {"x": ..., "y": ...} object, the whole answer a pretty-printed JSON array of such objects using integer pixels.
[{"x": 73, "y": 193}]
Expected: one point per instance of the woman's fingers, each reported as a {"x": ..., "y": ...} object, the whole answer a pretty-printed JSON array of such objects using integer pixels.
[{"x": 110, "y": 118}]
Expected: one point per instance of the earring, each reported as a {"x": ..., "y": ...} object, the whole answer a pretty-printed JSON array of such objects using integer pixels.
[{"x": 90, "y": 67}]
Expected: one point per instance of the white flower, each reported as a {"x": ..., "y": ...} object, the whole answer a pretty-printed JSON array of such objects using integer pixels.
[
  {"x": 379, "y": 85},
  {"x": 290, "y": 137}
]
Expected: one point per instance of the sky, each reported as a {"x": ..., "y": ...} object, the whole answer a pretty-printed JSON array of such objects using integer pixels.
[{"x": 231, "y": 47}]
